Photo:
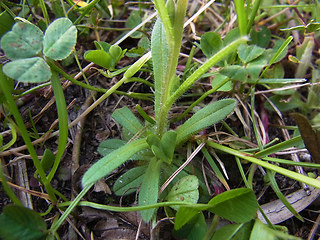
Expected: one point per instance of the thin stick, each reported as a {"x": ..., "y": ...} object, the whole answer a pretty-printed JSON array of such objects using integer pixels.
[{"x": 195, "y": 152}]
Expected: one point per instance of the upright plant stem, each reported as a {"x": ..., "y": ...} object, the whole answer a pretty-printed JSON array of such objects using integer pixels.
[{"x": 174, "y": 42}]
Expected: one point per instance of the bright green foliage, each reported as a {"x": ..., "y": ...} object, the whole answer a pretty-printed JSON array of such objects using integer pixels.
[
  {"x": 159, "y": 51},
  {"x": 185, "y": 190},
  {"x": 23, "y": 41},
  {"x": 149, "y": 188},
  {"x": 262, "y": 231},
  {"x": 238, "y": 205},
  {"x": 107, "y": 56},
  {"x": 164, "y": 148},
  {"x": 59, "y": 39},
  {"x": 99, "y": 57},
  {"x": 205, "y": 117},
  {"x": 113, "y": 160},
  {"x": 21, "y": 223},
  {"x": 28, "y": 70}
]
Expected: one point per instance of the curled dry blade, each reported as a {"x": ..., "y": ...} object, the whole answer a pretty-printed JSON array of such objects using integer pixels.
[{"x": 310, "y": 136}]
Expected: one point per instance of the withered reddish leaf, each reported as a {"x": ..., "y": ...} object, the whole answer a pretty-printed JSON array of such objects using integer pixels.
[{"x": 310, "y": 137}]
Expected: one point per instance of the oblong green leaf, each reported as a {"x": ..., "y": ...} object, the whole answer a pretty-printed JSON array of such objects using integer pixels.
[
  {"x": 23, "y": 41},
  {"x": 99, "y": 57},
  {"x": 33, "y": 70},
  {"x": 127, "y": 120},
  {"x": 109, "y": 145},
  {"x": 159, "y": 51},
  {"x": 237, "y": 205},
  {"x": 21, "y": 223},
  {"x": 149, "y": 188},
  {"x": 113, "y": 160},
  {"x": 59, "y": 39},
  {"x": 129, "y": 181},
  {"x": 185, "y": 190},
  {"x": 205, "y": 117}
]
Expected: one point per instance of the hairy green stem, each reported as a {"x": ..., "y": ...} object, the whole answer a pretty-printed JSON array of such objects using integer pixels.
[
  {"x": 174, "y": 43},
  {"x": 200, "y": 71},
  {"x": 296, "y": 176}
]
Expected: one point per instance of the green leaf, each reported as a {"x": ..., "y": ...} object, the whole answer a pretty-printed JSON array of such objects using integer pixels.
[
  {"x": 262, "y": 231},
  {"x": 159, "y": 51},
  {"x": 127, "y": 120},
  {"x": 185, "y": 190},
  {"x": 247, "y": 53},
  {"x": 220, "y": 78},
  {"x": 99, "y": 57},
  {"x": 231, "y": 36},
  {"x": 228, "y": 232},
  {"x": 262, "y": 37},
  {"x": 113, "y": 160},
  {"x": 149, "y": 188},
  {"x": 115, "y": 51},
  {"x": 184, "y": 215},
  {"x": 210, "y": 43},
  {"x": 133, "y": 20},
  {"x": 279, "y": 51},
  {"x": 59, "y": 39},
  {"x": 254, "y": 67},
  {"x": 109, "y": 145},
  {"x": 238, "y": 205},
  {"x": 47, "y": 160},
  {"x": 6, "y": 22},
  {"x": 102, "y": 46},
  {"x": 195, "y": 229},
  {"x": 235, "y": 72},
  {"x": 34, "y": 70},
  {"x": 23, "y": 41},
  {"x": 205, "y": 117},
  {"x": 168, "y": 143},
  {"x": 129, "y": 181},
  {"x": 21, "y": 223}
]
